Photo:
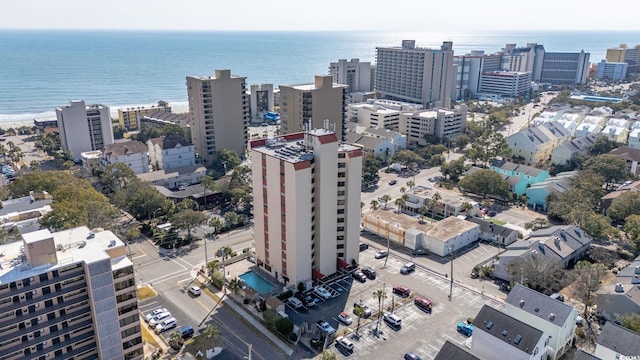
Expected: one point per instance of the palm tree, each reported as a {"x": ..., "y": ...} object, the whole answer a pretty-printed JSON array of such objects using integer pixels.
[
  {"x": 3, "y": 152},
  {"x": 379, "y": 294},
  {"x": 234, "y": 285},
  {"x": 207, "y": 182},
  {"x": 386, "y": 198},
  {"x": 213, "y": 266},
  {"x": 374, "y": 204},
  {"x": 466, "y": 207},
  {"x": 227, "y": 250},
  {"x": 433, "y": 203},
  {"x": 411, "y": 184},
  {"x": 359, "y": 312},
  {"x": 211, "y": 332},
  {"x": 403, "y": 189},
  {"x": 399, "y": 203},
  {"x": 422, "y": 210}
]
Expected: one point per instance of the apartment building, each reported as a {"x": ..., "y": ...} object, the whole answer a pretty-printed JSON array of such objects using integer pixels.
[
  {"x": 428, "y": 126},
  {"x": 68, "y": 295},
  {"x": 219, "y": 110},
  {"x": 380, "y": 113},
  {"x": 623, "y": 53},
  {"x": 564, "y": 68},
  {"x": 509, "y": 84},
  {"x": 355, "y": 74},
  {"x": 129, "y": 117},
  {"x": 314, "y": 103},
  {"x": 306, "y": 197},
  {"x": 132, "y": 153},
  {"x": 418, "y": 75},
  {"x": 469, "y": 68},
  {"x": 611, "y": 70},
  {"x": 262, "y": 101},
  {"x": 84, "y": 127}
]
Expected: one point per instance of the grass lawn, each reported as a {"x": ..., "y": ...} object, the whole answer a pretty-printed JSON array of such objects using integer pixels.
[
  {"x": 496, "y": 221},
  {"x": 147, "y": 337},
  {"x": 146, "y": 292}
]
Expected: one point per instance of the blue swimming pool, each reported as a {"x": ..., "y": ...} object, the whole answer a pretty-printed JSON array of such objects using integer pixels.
[{"x": 256, "y": 282}]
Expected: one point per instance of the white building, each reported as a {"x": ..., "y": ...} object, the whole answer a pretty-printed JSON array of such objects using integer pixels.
[
  {"x": 355, "y": 74},
  {"x": 382, "y": 143},
  {"x": 611, "y": 70},
  {"x": 175, "y": 178},
  {"x": 469, "y": 68},
  {"x": 171, "y": 152},
  {"x": 509, "y": 84},
  {"x": 262, "y": 101},
  {"x": 586, "y": 128},
  {"x": 418, "y": 75},
  {"x": 633, "y": 141},
  {"x": 439, "y": 124},
  {"x": 84, "y": 127},
  {"x": 380, "y": 113},
  {"x": 132, "y": 153},
  {"x": 306, "y": 197},
  {"x": 496, "y": 335},
  {"x": 223, "y": 126},
  {"x": 617, "y": 343},
  {"x": 549, "y": 315}
]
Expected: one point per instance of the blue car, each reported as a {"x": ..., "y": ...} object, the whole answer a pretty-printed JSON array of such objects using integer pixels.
[
  {"x": 465, "y": 329},
  {"x": 411, "y": 356}
]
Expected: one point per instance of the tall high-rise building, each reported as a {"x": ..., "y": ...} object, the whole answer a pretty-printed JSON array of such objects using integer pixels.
[
  {"x": 315, "y": 103},
  {"x": 564, "y": 68},
  {"x": 68, "y": 295},
  {"x": 623, "y": 53},
  {"x": 355, "y": 74},
  {"x": 219, "y": 111},
  {"x": 417, "y": 75},
  {"x": 84, "y": 127},
  {"x": 306, "y": 197},
  {"x": 262, "y": 100}
]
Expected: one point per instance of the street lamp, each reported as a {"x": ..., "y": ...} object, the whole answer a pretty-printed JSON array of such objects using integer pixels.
[{"x": 451, "y": 282}]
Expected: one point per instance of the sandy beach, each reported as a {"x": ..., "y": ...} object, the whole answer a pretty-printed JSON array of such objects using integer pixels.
[{"x": 16, "y": 124}]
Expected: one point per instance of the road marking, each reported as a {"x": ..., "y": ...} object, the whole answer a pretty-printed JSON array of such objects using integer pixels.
[
  {"x": 164, "y": 278},
  {"x": 138, "y": 257},
  {"x": 148, "y": 305}
]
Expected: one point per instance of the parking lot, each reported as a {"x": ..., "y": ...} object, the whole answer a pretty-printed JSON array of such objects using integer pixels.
[{"x": 421, "y": 332}]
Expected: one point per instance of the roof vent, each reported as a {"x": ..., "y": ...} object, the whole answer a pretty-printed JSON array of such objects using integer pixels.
[
  {"x": 552, "y": 316},
  {"x": 619, "y": 287},
  {"x": 490, "y": 325},
  {"x": 536, "y": 309},
  {"x": 517, "y": 339},
  {"x": 521, "y": 303},
  {"x": 504, "y": 332},
  {"x": 112, "y": 243}
]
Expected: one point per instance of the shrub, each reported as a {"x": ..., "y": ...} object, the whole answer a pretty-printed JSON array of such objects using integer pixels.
[
  {"x": 246, "y": 250},
  {"x": 469, "y": 320},
  {"x": 246, "y": 301},
  {"x": 293, "y": 336},
  {"x": 284, "y": 326},
  {"x": 271, "y": 317},
  {"x": 580, "y": 333}
]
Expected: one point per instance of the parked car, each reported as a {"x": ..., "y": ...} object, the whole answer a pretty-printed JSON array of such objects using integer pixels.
[
  {"x": 195, "y": 290},
  {"x": 465, "y": 329},
  {"x": 474, "y": 275},
  {"x": 557, "y": 296},
  {"x": 324, "y": 326},
  {"x": 294, "y": 302},
  {"x": 381, "y": 254},
  {"x": 358, "y": 275},
  {"x": 158, "y": 318},
  {"x": 393, "y": 182},
  {"x": 392, "y": 319},
  {"x": 369, "y": 273},
  {"x": 153, "y": 313},
  {"x": 322, "y": 292},
  {"x": 420, "y": 252},
  {"x": 411, "y": 356},
  {"x": 408, "y": 268},
  {"x": 306, "y": 299},
  {"x": 344, "y": 343},
  {"x": 363, "y": 246},
  {"x": 360, "y": 304},
  {"x": 186, "y": 331},
  {"x": 345, "y": 318},
  {"x": 166, "y": 324},
  {"x": 423, "y": 304},
  {"x": 401, "y": 290}
]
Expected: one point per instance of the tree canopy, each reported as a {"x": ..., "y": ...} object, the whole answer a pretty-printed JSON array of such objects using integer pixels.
[
  {"x": 485, "y": 182},
  {"x": 626, "y": 204},
  {"x": 610, "y": 167}
]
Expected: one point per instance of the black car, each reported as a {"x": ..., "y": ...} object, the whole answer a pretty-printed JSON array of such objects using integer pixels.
[
  {"x": 363, "y": 246},
  {"x": 358, "y": 275},
  {"x": 420, "y": 252},
  {"x": 369, "y": 272}
]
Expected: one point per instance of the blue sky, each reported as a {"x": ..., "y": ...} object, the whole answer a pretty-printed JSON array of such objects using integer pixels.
[{"x": 413, "y": 15}]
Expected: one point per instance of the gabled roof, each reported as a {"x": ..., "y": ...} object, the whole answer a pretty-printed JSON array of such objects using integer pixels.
[
  {"x": 619, "y": 339},
  {"x": 626, "y": 153},
  {"x": 561, "y": 240},
  {"x": 170, "y": 142},
  {"x": 487, "y": 227},
  {"x": 451, "y": 351},
  {"x": 539, "y": 305},
  {"x": 125, "y": 148},
  {"x": 583, "y": 355},
  {"x": 514, "y": 332},
  {"x": 580, "y": 144},
  {"x": 519, "y": 168}
]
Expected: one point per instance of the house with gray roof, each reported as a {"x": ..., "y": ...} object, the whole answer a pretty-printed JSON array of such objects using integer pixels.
[
  {"x": 171, "y": 152},
  {"x": 378, "y": 141},
  {"x": 132, "y": 153},
  {"x": 554, "y": 317},
  {"x": 495, "y": 332},
  {"x": 519, "y": 176},
  {"x": 583, "y": 355},
  {"x": 533, "y": 146},
  {"x": 538, "y": 192},
  {"x": 631, "y": 156},
  {"x": 622, "y": 295},
  {"x": 494, "y": 233},
  {"x": 616, "y": 343},
  {"x": 25, "y": 212},
  {"x": 450, "y": 351},
  {"x": 569, "y": 150}
]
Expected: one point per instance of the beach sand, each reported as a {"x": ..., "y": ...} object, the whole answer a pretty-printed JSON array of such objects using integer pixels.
[{"x": 16, "y": 124}]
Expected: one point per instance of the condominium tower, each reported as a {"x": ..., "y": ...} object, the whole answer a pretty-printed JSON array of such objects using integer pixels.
[
  {"x": 629, "y": 55},
  {"x": 355, "y": 74},
  {"x": 68, "y": 295},
  {"x": 219, "y": 110},
  {"x": 84, "y": 127},
  {"x": 418, "y": 75},
  {"x": 306, "y": 197},
  {"x": 316, "y": 103}
]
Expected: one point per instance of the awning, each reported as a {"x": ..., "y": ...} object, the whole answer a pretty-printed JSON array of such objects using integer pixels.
[
  {"x": 343, "y": 264},
  {"x": 317, "y": 274}
]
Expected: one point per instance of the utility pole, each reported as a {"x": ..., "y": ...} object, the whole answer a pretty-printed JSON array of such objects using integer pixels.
[
  {"x": 451, "y": 283},
  {"x": 224, "y": 278}
]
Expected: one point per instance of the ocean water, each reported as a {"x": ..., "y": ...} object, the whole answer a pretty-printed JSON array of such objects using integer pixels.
[{"x": 40, "y": 70}]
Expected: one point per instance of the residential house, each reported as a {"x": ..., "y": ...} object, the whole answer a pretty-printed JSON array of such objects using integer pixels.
[
  {"x": 546, "y": 117},
  {"x": 630, "y": 155},
  {"x": 537, "y": 193},
  {"x": 569, "y": 150},
  {"x": 564, "y": 244},
  {"x": 595, "y": 118},
  {"x": 633, "y": 141},
  {"x": 449, "y": 204},
  {"x": 615, "y": 133},
  {"x": 24, "y": 213},
  {"x": 495, "y": 332},
  {"x": 382, "y": 143},
  {"x": 171, "y": 152},
  {"x": 175, "y": 178},
  {"x": 527, "y": 175},
  {"x": 586, "y": 128},
  {"x": 450, "y": 351},
  {"x": 583, "y": 355},
  {"x": 132, "y": 153},
  {"x": 554, "y": 317},
  {"x": 535, "y": 144},
  {"x": 622, "y": 295},
  {"x": 494, "y": 233},
  {"x": 616, "y": 343},
  {"x": 608, "y": 199}
]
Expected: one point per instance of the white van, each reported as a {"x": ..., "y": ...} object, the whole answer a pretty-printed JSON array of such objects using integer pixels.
[
  {"x": 294, "y": 302},
  {"x": 408, "y": 268}
]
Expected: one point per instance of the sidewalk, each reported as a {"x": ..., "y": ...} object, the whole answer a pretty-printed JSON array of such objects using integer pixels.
[{"x": 250, "y": 319}]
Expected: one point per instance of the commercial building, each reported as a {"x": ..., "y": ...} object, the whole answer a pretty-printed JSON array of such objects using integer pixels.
[
  {"x": 509, "y": 84},
  {"x": 129, "y": 117},
  {"x": 314, "y": 104},
  {"x": 629, "y": 55},
  {"x": 564, "y": 68},
  {"x": 418, "y": 75},
  {"x": 84, "y": 127},
  {"x": 611, "y": 70},
  {"x": 219, "y": 110},
  {"x": 68, "y": 295},
  {"x": 430, "y": 126},
  {"x": 380, "y": 113},
  {"x": 306, "y": 198},
  {"x": 469, "y": 68},
  {"x": 355, "y": 74}
]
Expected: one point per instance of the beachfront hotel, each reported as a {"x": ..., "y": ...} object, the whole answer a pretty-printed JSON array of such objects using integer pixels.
[
  {"x": 219, "y": 111},
  {"x": 84, "y": 127},
  {"x": 416, "y": 75},
  {"x": 68, "y": 295},
  {"x": 323, "y": 100},
  {"x": 306, "y": 197}
]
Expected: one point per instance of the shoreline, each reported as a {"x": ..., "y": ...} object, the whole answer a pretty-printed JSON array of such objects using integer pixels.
[{"x": 16, "y": 124}]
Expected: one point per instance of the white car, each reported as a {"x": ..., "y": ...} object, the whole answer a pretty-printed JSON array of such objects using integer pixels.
[
  {"x": 294, "y": 302},
  {"x": 345, "y": 343},
  {"x": 195, "y": 290},
  {"x": 345, "y": 318},
  {"x": 158, "y": 318},
  {"x": 153, "y": 313},
  {"x": 322, "y": 292},
  {"x": 324, "y": 326},
  {"x": 392, "y": 319},
  {"x": 166, "y": 324}
]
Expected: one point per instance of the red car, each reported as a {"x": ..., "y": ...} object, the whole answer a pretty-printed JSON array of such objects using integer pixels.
[
  {"x": 423, "y": 304},
  {"x": 401, "y": 290}
]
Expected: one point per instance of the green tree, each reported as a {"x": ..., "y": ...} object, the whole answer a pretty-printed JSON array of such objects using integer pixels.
[
  {"x": 328, "y": 355},
  {"x": 602, "y": 146},
  {"x": 631, "y": 321},
  {"x": 454, "y": 169},
  {"x": 213, "y": 266},
  {"x": 359, "y": 312},
  {"x": 433, "y": 204},
  {"x": 587, "y": 282},
  {"x": 188, "y": 220},
  {"x": 225, "y": 160},
  {"x": 626, "y": 204},
  {"x": 374, "y": 205},
  {"x": 411, "y": 184},
  {"x": 386, "y": 198},
  {"x": 117, "y": 176},
  {"x": 226, "y": 250},
  {"x": 34, "y": 165},
  {"x": 399, "y": 202},
  {"x": 461, "y": 141},
  {"x": 211, "y": 332},
  {"x": 207, "y": 183},
  {"x": 485, "y": 182},
  {"x": 632, "y": 227},
  {"x": 284, "y": 326},
  {"x": 370, "y": 167},
  {"x": 234, "y": 285},
  {"x": 380, "y": 295},
  {"x": 610, "y": 167},
  {"x": 407, "y": 158}
]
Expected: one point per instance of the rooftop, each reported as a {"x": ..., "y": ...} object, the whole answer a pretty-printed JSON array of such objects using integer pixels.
[
  {"x": 619, "y": 339},
  {"x": 451, "y": 351},
  {"x": 170, "y": 142},
  {"x": 511, "y": 331},
  {"x": 125, "y": 148},
  {"x": 171, "y": 173},
  {"x": 539, "y": 305}
]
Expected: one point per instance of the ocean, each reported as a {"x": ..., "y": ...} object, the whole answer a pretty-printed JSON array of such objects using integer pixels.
[{"x": 40, "y": 70}]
